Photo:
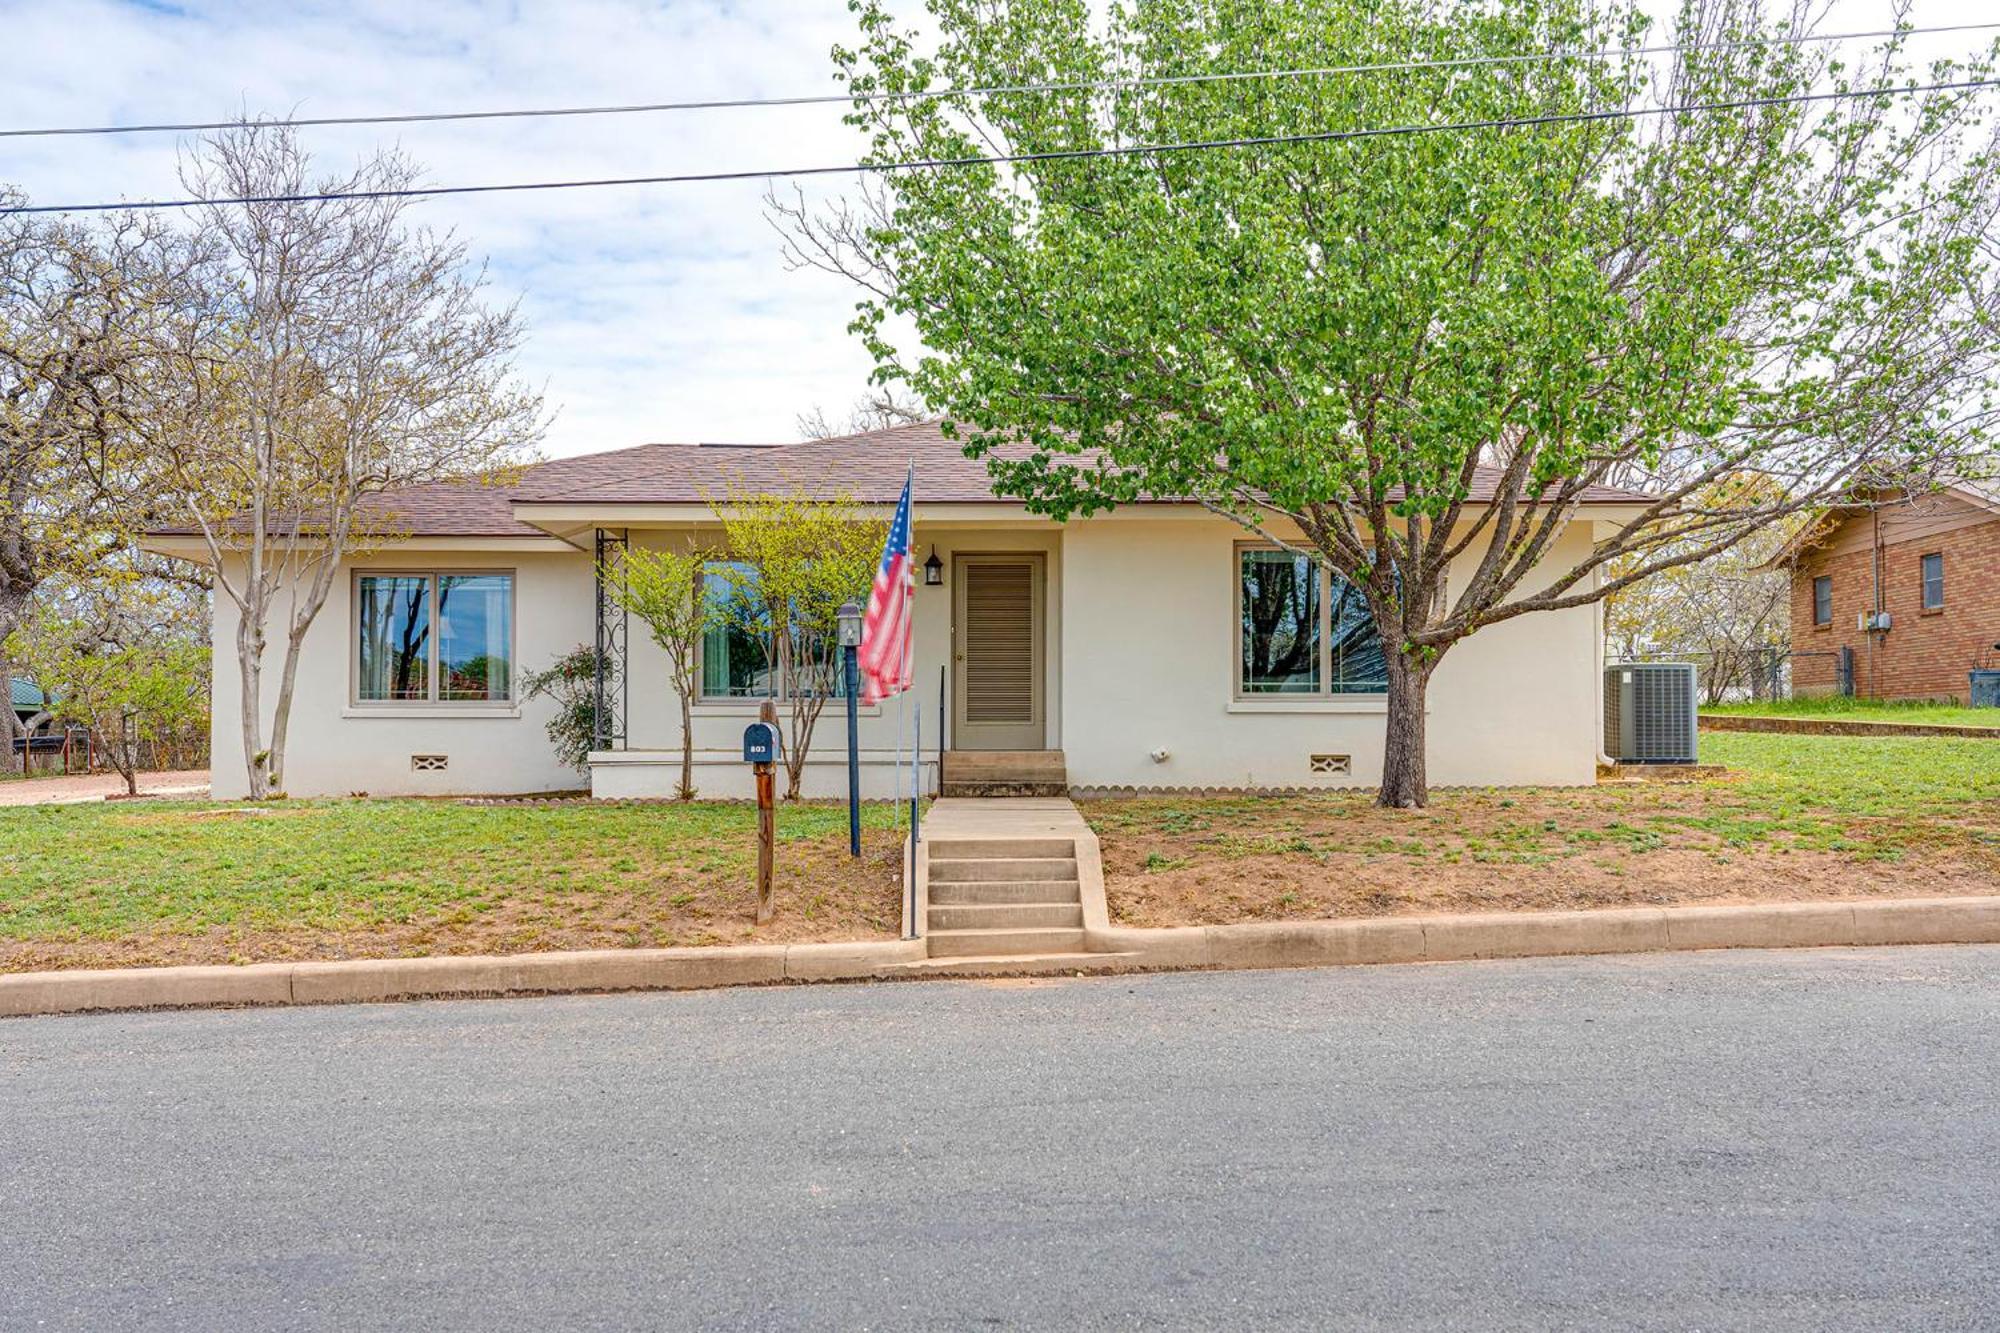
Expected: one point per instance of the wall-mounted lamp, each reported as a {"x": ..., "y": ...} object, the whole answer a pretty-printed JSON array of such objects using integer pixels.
[{"x": 933, "y": 570}]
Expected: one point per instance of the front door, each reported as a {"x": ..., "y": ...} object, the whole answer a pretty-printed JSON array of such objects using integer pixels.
[{"x": 997, "y": 675}]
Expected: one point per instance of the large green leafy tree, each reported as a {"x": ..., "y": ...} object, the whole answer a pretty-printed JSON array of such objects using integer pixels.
[{"x": 1736, "y": 310}]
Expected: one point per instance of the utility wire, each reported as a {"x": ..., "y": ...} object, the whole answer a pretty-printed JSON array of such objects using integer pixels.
[
  {"x": 822, "y": 99},
  {"x": 1057, "y": 155}
]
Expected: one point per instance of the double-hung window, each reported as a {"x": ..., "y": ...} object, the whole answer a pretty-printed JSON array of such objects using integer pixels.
[
  {"x": 1302, "y": 630},
  {"x": 1933, "y": 577},
  {"x": 433, "y": 638},
  {"x": 1823, "y": 600}
]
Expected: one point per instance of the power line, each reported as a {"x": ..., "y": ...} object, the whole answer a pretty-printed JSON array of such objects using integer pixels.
[
  {"x": 995, "y": 90},
  {"x": 1057, "y": 155}
]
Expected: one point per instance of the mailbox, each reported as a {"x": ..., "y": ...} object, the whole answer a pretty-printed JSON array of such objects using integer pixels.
[{"x": 760, "y": 743}]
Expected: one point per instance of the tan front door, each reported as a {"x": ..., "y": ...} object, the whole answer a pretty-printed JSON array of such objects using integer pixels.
[{"x": 997, "y": 670}]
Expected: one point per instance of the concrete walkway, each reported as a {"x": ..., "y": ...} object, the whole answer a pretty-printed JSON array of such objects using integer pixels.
[{"x": 978, "y": 817}]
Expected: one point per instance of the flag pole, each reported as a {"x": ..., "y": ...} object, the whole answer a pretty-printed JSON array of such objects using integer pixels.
[{"x": 909, "y": 672}]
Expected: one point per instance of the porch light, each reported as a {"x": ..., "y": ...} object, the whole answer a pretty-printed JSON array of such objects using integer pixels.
[
  {"x": 933, "y": 570},
  {"x": 850, "y": 624}
]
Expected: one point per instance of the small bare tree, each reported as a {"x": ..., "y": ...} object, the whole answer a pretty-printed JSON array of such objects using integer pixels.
[
  {"x": 337, "y": 354},
  {"x": 663, "y": 588}
]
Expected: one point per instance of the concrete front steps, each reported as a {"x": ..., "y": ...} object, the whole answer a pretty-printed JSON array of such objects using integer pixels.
[
  {"x": 997, "y": 773},
  {"x": 1005, "y": 904}
]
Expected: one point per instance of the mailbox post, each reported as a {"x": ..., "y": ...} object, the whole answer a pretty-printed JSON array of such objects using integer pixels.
[
  {"x": 760, "y": 751},
  {"x": 850, "y": 647}
]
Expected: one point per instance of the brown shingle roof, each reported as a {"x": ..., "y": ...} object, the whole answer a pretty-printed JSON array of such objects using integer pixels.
[{"x": 869, "y": 467}]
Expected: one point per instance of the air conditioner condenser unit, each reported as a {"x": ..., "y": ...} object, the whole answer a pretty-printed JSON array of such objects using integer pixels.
[{"x": 1649, "y": 712}]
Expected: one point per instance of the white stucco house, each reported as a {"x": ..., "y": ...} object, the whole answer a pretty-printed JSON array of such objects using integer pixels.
[{"x": 1157, "y": 647}]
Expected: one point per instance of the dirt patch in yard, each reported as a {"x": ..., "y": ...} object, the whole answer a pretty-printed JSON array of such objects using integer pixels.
[{"x": 1217, "y": 861}]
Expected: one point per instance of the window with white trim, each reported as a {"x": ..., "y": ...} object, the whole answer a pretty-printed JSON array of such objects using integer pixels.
[
  {"x": 434, "y": 637},
  {"x": 1302, "y": 630}
]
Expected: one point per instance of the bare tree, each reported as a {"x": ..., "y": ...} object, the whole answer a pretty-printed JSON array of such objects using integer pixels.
[
  {"x": 1726, "y": 613},
  {"x": 874, "y": 410},
  {"x": 75, "y": 302},
  {"x": 337, "y": 353}
]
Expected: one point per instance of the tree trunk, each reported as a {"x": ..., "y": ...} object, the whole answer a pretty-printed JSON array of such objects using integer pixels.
[
  {"x": 10, "y": 723},
  {"x": 1405, "y": 785},
  {"x": 687, "y": 745},
  {"x": 250, "y": 700},
  {"x": 13, "y": 609},
  {"x": 281, "y": 716},
  {"x": 125, "y": 760}
]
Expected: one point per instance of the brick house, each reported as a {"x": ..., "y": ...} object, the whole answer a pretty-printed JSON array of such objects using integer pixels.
[{"x": 1930, "y": 563}]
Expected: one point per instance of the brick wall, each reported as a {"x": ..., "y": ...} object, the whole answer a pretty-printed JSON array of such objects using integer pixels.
[{"x": 1926, "y": 654}]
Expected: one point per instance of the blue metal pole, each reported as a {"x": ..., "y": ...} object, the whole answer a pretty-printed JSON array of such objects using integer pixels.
[{"x": 853, "y": 753}]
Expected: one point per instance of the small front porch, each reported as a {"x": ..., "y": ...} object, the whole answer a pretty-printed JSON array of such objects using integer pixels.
[
  {"x": 987, "y": 651},
  {"x": 1003, "y": 773}
]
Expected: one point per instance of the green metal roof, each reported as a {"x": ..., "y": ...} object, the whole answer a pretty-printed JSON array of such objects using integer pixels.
[{"x": 27, "y": 695}]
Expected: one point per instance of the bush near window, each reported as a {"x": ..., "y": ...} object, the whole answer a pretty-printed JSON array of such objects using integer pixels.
[{"x": 571, "y": 680}]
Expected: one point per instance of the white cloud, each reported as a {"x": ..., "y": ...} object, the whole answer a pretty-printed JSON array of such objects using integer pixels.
[{"x": 655, "y": 312}]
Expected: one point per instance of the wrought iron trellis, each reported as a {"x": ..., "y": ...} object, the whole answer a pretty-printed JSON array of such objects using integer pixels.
[{"x": 613, "y": 633}]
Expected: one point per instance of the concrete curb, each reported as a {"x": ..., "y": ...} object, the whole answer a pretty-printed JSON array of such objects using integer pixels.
[
  {"x": 1442, "y": 939},
  {"x": 1972, "y": 920}
]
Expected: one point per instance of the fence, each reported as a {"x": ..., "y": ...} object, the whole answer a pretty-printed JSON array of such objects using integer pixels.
[
  {"x": 73, "y": 750},
  {"x": 1758, "y": 674}
]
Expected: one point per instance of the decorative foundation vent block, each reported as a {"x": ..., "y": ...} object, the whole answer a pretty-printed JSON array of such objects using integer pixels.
[
  {"x": 1332, "y": 763},
  {"x": 429, "y": 763}
]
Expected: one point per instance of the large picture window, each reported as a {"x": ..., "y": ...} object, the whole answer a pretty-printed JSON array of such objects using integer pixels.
[
  {"x": 735, "y": 663},
  {"x": 434, "y": 638},
  {"x": 736, "y": 657},
  {"x": 1302, "y": 630}
]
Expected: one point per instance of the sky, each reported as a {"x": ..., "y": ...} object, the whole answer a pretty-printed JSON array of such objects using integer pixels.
[{"x": 654, "y": 313}]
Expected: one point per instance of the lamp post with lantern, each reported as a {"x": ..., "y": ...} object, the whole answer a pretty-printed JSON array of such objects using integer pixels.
[{"x": 850, "y": 647}]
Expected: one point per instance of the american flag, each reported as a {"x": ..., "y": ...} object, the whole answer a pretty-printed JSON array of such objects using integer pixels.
[{"x": 885, "y": 653}]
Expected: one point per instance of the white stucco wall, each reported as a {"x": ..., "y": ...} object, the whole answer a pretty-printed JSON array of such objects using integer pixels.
[
  {"x": 1151, "y": 661},
  {"x": 651, "y": 764},
  {"x": 1140, "y": 656},
  {"x": 336, "y": 748}
]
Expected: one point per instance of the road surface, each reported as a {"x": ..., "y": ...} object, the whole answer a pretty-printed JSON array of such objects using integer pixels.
[{"x": 1724, "y": 1140}]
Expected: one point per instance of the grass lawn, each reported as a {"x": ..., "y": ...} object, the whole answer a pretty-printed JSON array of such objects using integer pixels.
[
  {"x": 183, "y": 882},
  {"x": 1800, "y": 817},
  {"x": 1843, "y": 709}
]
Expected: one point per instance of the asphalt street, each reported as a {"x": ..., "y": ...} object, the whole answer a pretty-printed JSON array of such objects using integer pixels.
[{"x": 1725, "y": 1140}]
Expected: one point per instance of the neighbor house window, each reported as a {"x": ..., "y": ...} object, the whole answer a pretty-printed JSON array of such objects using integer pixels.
[
  {"x": 1933, "y": 567},
  {"x": 434, "y": 638},
  {"x": 736, "y": 657},
  {"x": 1303, "y": 630},
  {"x": 1823, "y": 600}
]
